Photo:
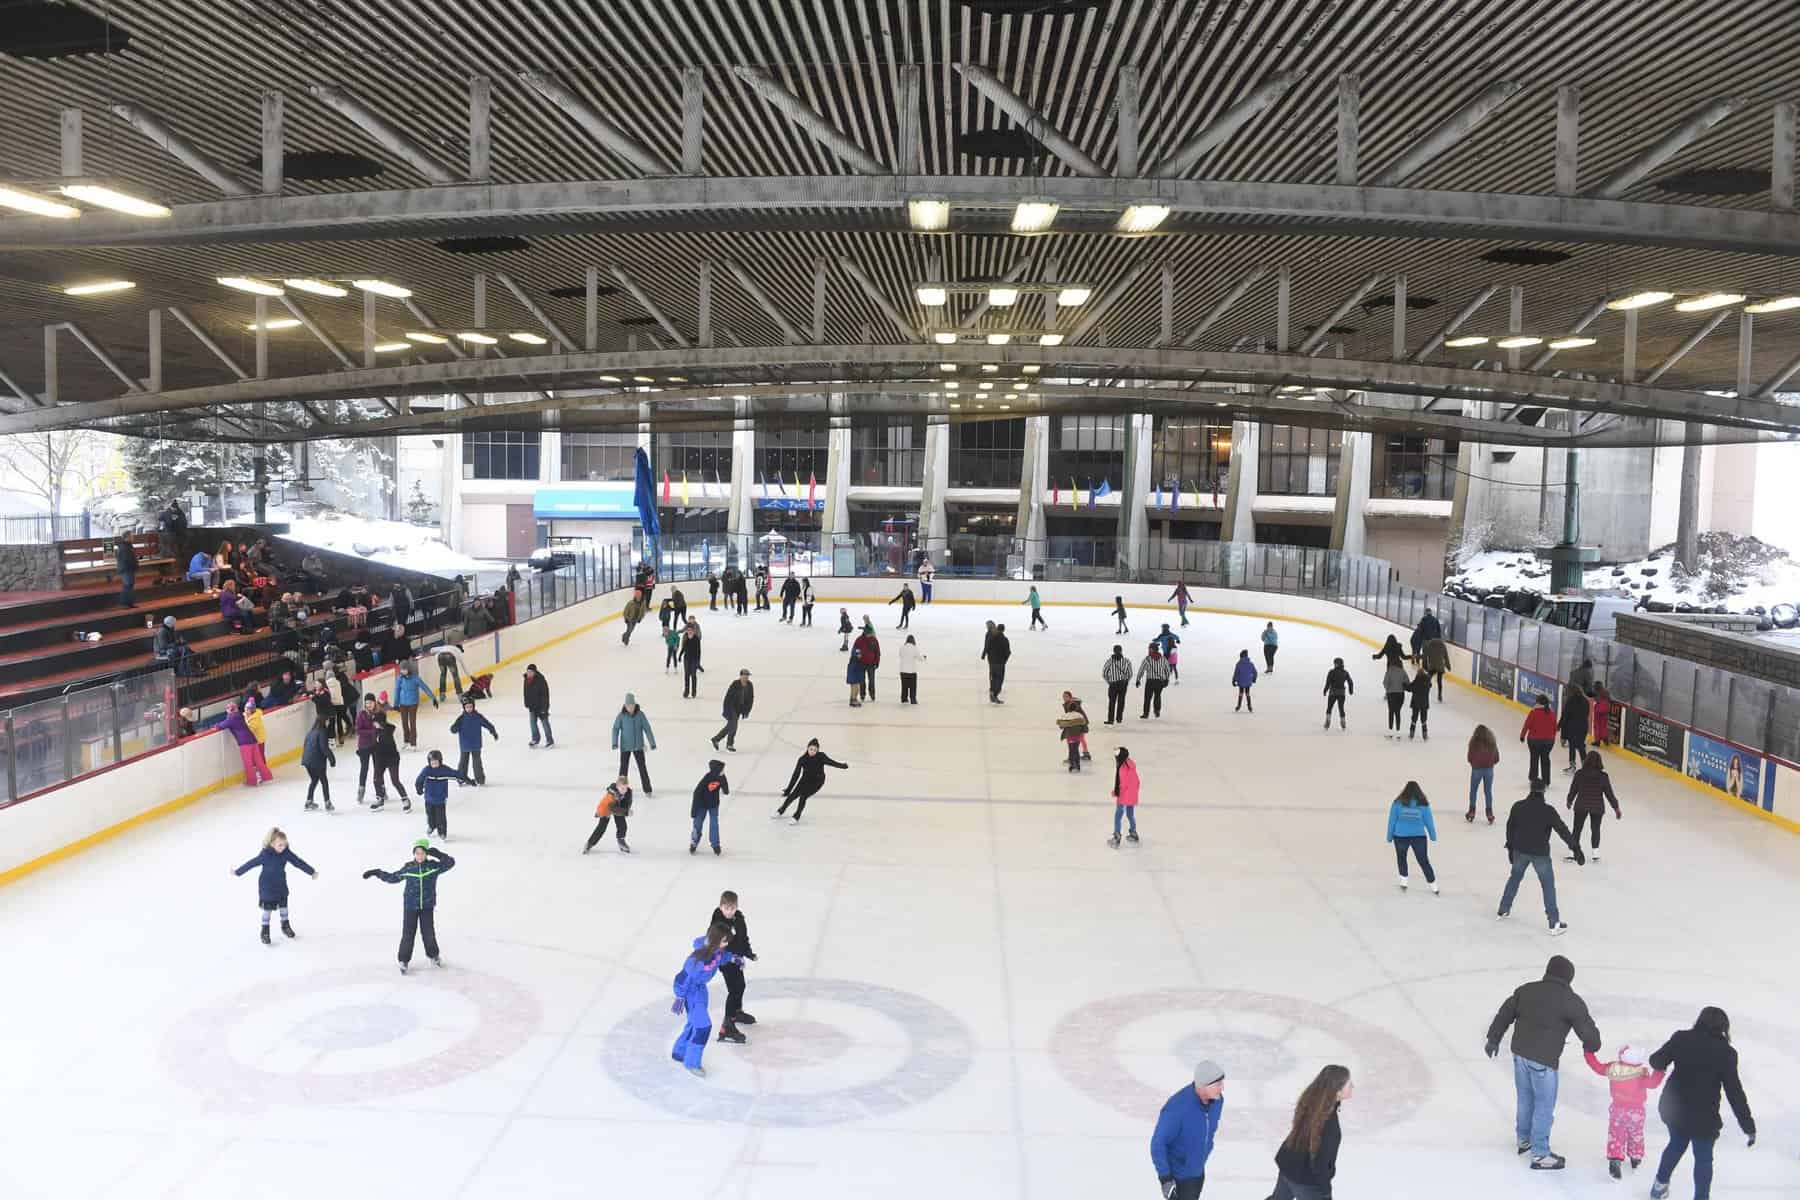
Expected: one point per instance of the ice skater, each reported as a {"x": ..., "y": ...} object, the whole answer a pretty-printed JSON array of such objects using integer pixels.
[
  {"x": 1420, "y": 690},
  {"x": 1153, "y": 677},
  {"x": 1072, "y": 727},
  {"x": 1338, "y": 684},
  {"x": 1307, "y": 1160},
  {"x": 1528, "y": 829},
  {"x": 790, "y": 596},
  {"x": 1271, "y": 642},
  {"x": 845, "y": 628},
  {"x": 1541, "y": 1014},
  {"x": 690, "y": 659},
  {"x": 614, "y": 808},
  {"x": 271, "y": 884},
  {"x": 1243, "y": 678},
  {"x": 419, "y": 900},
  {"x": 1539, "y": 735},
  {"x": 808, "y": 778},
  {"x": 710, "y": 953},
  {"x": 387, "y": 766},
  {"x": 1484, "y": 756},
  {"x": 315, "y": 756},
  {"x": 806, "y": 604},
  {"x": 712, "y": 788},
  {"x": 1590, "y": 791},
  {"x": 1573, "y": 726},
  {"x": 996, "y": 650},
  {"x": 732, "y": 915},
  {"x": 671, "y": 647},
  {"x": 537, "y": 704},
  {"x": 1182, "y": 598},
  {"x": 1703, "y": 1063},
  {"x": 1119, "y": 613},
  {"x": 740, "y": 698},
  {"x": 433, "y": 786},
  {"x": 907, "y": 603},
  {"x": 1630, "y": 1080},
  {"x": 909, "y": 658},
  {"x": 1115, "y": 672},
  {"x": 1037, "y": 605},
  {"x": 1409, "y": 828},
  {"x": 631, "y": 732},
  {"x": 1185, "y": 1130},
  {"x": 1394, "y": 681},
  {"x": 467, "y": 727},
  {"x": 1125, "y": 795},
  {"x": 1170, "y": 641}
]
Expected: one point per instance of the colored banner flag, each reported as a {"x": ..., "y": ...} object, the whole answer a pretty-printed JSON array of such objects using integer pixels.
[
  {"x": 1055, "y": 492},
  {"x": 667, "y": 494},
  {"x": 684, "y": 490},
  {"x": 812, "y": 488},
  {"x": 1092, "y": 495},
  {"x": 1074, "y": 492},
  {"x": 763, "y": 483},
  {"x": 780, "y": 484},
  {"x": 1175, "y": 497},
  {"x": 1159, "y": 496},
  {"x": 1105, "y": 489}
]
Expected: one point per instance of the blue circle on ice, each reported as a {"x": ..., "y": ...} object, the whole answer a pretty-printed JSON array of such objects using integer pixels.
[
  {"x": 357, "y": 1027},
  {"x": 939, "y": 1051}
]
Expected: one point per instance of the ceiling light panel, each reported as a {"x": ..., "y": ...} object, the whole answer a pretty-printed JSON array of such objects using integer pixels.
[
  {"x": 1034, "y": 216},
  {"x": 114, "y": 199},
  {"x": 99, "y": 287},
  {"x": 1774, "y": 304},
  {"x": 1638, "y": 300},
  {"x": 1003, "y": 297},
  {"x": 429, "y": 339},
  {"x": 1709, "y": 302},
  {"x": 1459, "y": 343},
  {"x": 257, "y": 287},
  {"x": 927, "y": 214},
  {"x": 931, "y": 295},
  {"x": 317, "y": 287},
  {"x": 37, "y": 206},
  {"x": 382, "y": 287},
  {"x": 1142, "y": 218},
  {"x": 1073, "y": 297}
]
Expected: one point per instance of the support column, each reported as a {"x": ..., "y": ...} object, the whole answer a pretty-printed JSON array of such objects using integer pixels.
[
  {"x": 1349, "y": 526},
  {"x": 740, "y": 519},
  {"x": 1687, "y": 520},
  {"x": 1034, "y": 477},
  {"x": 1134, "y": 494},
  {"x": 934, "y": 517},
  {"x": 836, "y": 517},
  {"x": 1239, "y": 524}
]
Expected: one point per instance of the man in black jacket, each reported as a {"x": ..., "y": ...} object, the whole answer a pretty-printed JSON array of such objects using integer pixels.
[
  {"x": 790, "y": 596},
  {"x": 1541, "y": 1014},
  {"x": 537, "y": 705},
  {"x": 996, "y": 652},
  {"x": 728, "y": 913},
  {"x": 1528, "y": 829},
  {"x": 126, "y": 560},
  {"x": 739, "y": 698}
]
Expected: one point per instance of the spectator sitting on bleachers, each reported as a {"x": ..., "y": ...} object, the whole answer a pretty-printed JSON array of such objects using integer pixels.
[
  {"x": 283, "y": 690},
  {"x": 222, "y": 565},
  {"x": 233, "y": 608},
  {"x": 200, "y": 567},
  {"x": 169, "y": 646},
  {"x": 259, "y": 559}
]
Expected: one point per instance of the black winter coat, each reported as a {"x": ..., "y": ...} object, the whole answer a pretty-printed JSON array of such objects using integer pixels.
[
  {"x": 713, "y": 787},
  {"x": 740, "y": 697},
  {"x": 537, "y": 694},
  {"x": 1704, "y": 1064},
  {"x": 1542, "y": 1015},
  {"x": 1529, "y": 826},
  {"x": 1591, "y": 791},
  {"x": 420, "y": 878},
  {"x": 1574, "y": 722},
  {"x": 1297, "y": 1166},
  {"x": 809, "y": 772},
  {"x": 740, "y": 932}
]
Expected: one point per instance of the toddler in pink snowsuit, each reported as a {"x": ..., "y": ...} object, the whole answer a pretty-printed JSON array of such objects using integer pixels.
[{"x": 1631, "y": 1081}]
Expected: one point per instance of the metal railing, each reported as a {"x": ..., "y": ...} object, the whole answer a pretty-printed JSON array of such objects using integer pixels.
[{"x": 44, "y": 530}]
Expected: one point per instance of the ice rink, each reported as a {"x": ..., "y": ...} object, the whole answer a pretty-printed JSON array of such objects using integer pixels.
[{"x": 962, "y": 991}]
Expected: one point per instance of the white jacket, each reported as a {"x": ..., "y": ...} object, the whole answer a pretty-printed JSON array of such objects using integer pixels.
[{"x": 909, "y": 658}]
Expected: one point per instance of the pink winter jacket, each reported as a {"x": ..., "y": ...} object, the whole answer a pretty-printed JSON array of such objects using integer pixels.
[
  {"x": 1630, "y": 1085},
  {"x": 1128, "y": 784}
]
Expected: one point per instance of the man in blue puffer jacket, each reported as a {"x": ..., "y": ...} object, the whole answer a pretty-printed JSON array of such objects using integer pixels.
[
  {"x": 1184, "y": 1133},
  {"x": 433, "y": 785},
  {"x": 408, "y": 687}
]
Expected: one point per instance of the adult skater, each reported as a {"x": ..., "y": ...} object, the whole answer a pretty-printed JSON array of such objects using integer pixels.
[
  {"x": 408, "y": 689},
  {"x": 1307, "y": 1160},
  {"x": 1185, "y": 1130},
  {"x": 1484, "y": 756},
  {"x": 1539, "y": 735},
  {"x": 680, "y": 604},
  {"x": 790, "y": 596},
  {"x": 907, "y": 604},
  {"x": 1409, "y": 828},
  {"x": 1582, "y": 677},
  {"x": 632, "y": 613},
  {"x": 1436, "y": 661},
  {"x": 762, "y": 588},
  {"x": 433, "y": 786},
  {"x": 387, "y": 765},
  {"x": 909, "y": 658},
  {"x": 1170, "y": 641},
  {"x": 866, "y": 649},
  {"x": 997, "y": 650},
  {"x": 1338, "y": 684},
  {"x": 1528, "y": 829},
  {"x": 807, "y": 600},
  {"x": 689, "y": 651},
  {"x": 710, "y": 953},
  {"x": 1419, "y": 688},
  {"x": 1153, "y": 677},
  {"x": 1116, "y": 671},
  {"x": 1390, "y": 650},
  {"x": 315, "y": 755},
  {"x": 1118, "y": 613},
  {"x": 1072, "y": 727},
  {"x": 1541, "y": 1015},
  {"x": 631, "y": 732},
  {"x": 1394, "y": 682},
  {"x": 1590, "y": 791},
  {"x": 1124, "y": 794},
  {"x": 927, "y": 576},
  {"x": 366, "y": 724},
  {"x": 467, "y": 727},
  {"x": 1037, "y": 604},
  {"x": 272, "y": 887},
  {"x": 712, "y": 788},
  {"x": 1271, "y": 642},
  {"x": 419, "y": 900},
  {"x": 740, "y": 590},
  {"x": 1182, "y": 598},
  {"x": 537, "y": 706},
  {"x": 712, "y": 591},
  {"x": 1572, "y": 724},
  {"x": 614, "y": 808},
  {"x": 1704, "y": 1064},
  {"x": 1427, "y": 630},
  {"x": 732, "y": 915},
  {"x": 1243, "y": 678},
  {"x": 740, "y": 698},
  {"x": 808, "y": 778}
]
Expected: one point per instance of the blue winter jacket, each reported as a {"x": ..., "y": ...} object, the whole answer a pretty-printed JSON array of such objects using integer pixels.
[
  {"x": 407, "y": 688},
  {"x": 695, "y": 974},
  {"x": 630, "y": 731},
  {"x": 433, "y": 783},
  {"x": 1184, "y": 1135},
  {"x": 1244, "y": 674},
  {"x": 1168, "y": 640},
  {"x": 200, "y": 564},
  {"x": 467, "y": 727},
  {"x": 1270, "y": 638},
  {"x": 271, "y": 885},
  {"x": 1410, "y": 820}
]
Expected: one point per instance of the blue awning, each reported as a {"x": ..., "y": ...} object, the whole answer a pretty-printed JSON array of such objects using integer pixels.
[{"x": 610, "y": 501}]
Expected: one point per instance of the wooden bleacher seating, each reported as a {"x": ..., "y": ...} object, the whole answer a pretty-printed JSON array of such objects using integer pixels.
[{"x": 92, "y": 562}]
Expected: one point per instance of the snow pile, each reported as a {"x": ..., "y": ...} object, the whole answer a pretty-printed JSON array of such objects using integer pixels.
[
  {"x": 392, "y": 543},
  {"x": 1736, "y": 574}
]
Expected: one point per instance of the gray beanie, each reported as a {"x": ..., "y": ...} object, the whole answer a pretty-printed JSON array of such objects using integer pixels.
[
  {"x": 169, "y": 621},
  {"x": 1208, "y": 1072}
]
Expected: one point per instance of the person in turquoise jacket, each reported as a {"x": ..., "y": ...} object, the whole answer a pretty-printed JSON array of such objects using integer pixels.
[
  {"x": 631, "y": 732},
  {"x": 1410, "y": 827},
  {"x": 1185, "y": 1130},
  {"x": 1271, "y": 642},
  {"x": 710, "y": 953},
  {"x": 1037, "y": 604}
]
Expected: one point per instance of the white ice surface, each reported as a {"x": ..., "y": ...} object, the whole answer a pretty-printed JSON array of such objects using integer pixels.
[{"x": 963, "y": 991}]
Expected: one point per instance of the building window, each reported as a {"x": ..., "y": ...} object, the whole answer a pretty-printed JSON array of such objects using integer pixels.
[
  {"x": 705, "y": 454},
  {"x": 1296, "y": 461},
  {"x": 790, "y": 450},
  {"x": 1087, "y": 450},
  {"x": 1407, "y": 467},
  {"x": 500, "y": 454},
  {"x": 887, "y": 451},
  {"x": 987, "y": 454},
  {"x": 1188, "y": 456},
  {"x": 598, "y": 456}
]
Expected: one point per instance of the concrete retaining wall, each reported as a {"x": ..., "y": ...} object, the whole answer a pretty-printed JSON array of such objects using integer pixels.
[
  {"x": 1740, "y": 653},
  {"x": 29, "y": 568}
]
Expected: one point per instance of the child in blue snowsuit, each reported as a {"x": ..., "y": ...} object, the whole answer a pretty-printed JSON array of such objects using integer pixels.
[
  {"x": 467, "y": 729},
  {"x": 433, "y": 786},
  {"x": 271, "y": 884},
  {"x": 1242, "y": 676},
  {"x": 710, "y": 953}
]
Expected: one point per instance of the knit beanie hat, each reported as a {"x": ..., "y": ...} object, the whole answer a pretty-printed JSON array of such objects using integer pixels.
[
  {"x": 1207, "y": 1072},
  {"x": 715, "y": 765},
  {"x": 1631, "y": 1056},
  {"x": 630, "y": 698},
  {"x": 169, "y": 621}
]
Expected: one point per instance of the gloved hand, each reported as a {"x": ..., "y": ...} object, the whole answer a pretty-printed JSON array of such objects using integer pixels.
[
  {"x": 369, "y": 874},
  {"x": 679, "y": 1007},
  {"x": 1493, "y": 1049},
  {"x": 1167, "y": 1185}
]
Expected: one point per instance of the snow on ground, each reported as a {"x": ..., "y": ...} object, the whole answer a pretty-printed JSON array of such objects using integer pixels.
[
  {"x": 394, "y": 543},
  {"x": 1738, "y": 574}
]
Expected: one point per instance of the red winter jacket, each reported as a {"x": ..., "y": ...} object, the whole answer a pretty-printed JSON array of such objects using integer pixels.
[
  {"x": 1540, "y": 725},
  {"x": 868, "y": 651}
]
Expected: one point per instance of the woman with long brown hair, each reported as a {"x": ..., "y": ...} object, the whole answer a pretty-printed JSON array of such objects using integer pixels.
[
  {"x": 1484, "y": 755},
  {"x": 1308, "y": 1158}
]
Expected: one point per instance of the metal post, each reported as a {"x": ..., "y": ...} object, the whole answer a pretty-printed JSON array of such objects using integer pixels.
[
  {"x": 117, "y": 738},
  {"x": 12, "y": 762},
  {"x": 70, "y": 761}
]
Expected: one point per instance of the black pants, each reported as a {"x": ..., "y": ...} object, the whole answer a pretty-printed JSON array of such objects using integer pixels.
[
  {"x": 1269, "y": 656},
  {"x": 690, "y": 679},
  {"x": 806, "y": 613},
  {"x": 1074, "y": 745},
  {"x": 1243, "y": 701},
  {"x": 420, "y": 920},
  {"x": 869, "y": 682},
  {"x": 1576, "y": 744},
  {"x": 1334, "y": 700},
  {"x": 909, "y": 687},
  {"x": 905, "y": 617},
  {"x": 728, "y": 733},
  {"x": 787, "y": 609},
  {"x": 1115, "y": 701},
  {"x": 996, "y": 678},
  {"x": 734, "y": 991},
  {"x": 625, "y": 757},
  {"x": 1439, "y": 676},
  {"x": 1421, "y": 717},
  {"x": 391, "y": 770},
  {"x": 801, "y": 795},
  {"x": 451, "y": 671},
  {"x": 1417, "y": 846},
  {"x": 712, "y": 600},
  {"x": 600, "y": 830},
  {"x": 463, "y": 761},
  {"x": 1188, "y": 1189},
  {"x": 1287, "y": 1189},
  {"x": 1539, "y": 750},
  {"x": 1582, "y": 816},
  {"x": 1121, "y": 628},
  {"x": 362, "y": 771},
  {"x": 1395, "y": 701},
  {"x": 437, "y": 819},
  {"x": 1037, "y": 618},
  {"x": 743, "y": 602},
  {"x": 315, "y": 777},
  {"x": 341, "y": 722},
  {"x": 1153, "y": 690},
  {"x": 669, "y": 658}
]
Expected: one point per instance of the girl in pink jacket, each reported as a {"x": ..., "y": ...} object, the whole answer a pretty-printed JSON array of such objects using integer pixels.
[
  {"x": 1631, "y": 1081},
  {"x": 1125, "y": 796}
]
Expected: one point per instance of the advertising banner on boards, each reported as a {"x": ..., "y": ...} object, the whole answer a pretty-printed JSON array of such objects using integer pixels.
[
  {"x": 1656, "y": 739},
  {"x": 1495, "y": 676},
  {"x": 1531, "y": 685},
  {"x": 1735, "y": 771}
]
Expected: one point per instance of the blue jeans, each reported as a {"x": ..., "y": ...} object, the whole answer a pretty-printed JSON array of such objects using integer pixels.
[
  {"x": 702, "y": 819},
  {"x": 1703, "y": 1161},
  {"x": 549, "y": 735},
  {"x": 1127, "y": 812},
  {"x": 1481, "y": 777},
  {"x": 1536, "y": 1088},
  {"x": 1546, "y": 879}
]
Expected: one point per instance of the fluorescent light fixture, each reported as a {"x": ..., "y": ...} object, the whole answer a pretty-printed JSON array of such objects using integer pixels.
[
  {"x": 1709, "y": 302},
  {"x": 317, "y": 287},
  {"x": 950, "y": 385},
  {"x": 37, "y": 206},
  {"x": 1293, "y": 387},
  {"x": 1142, "y": 218},
  {"x": 1034, "y": 216},
  {"x": 1518, "y": 341},
  {"x": 1571, "y": 343},
  {"x": 1220, "y": 404},
  {"x": 391, "y": 347},
  {"x": 528, "y": 339},
  {"x": 984, "y": 387},
  {"x": 954, "y": 404},
  {"x": 1003, "y": 297},
  {"x": 100, "y": 288},
  {"x": 998, "y": 339},
  {"x": 382, "y": 287},
  {"x": 274, "y": 323},
  {"x": 947, "y": 368},
  {"x": 609, "y": 379},
  {"x": 1050, "y": 339},
  {"x": 105, "y": 197},
  {"x": 1006, "y": 408},
  {"x": 931, "y": 295},
  {"x": 476, "y": 339},
  {"x": 642, "y": 379},
  {"x": 1073, "y": 297},
  {"x": 1773, "y": 305},
  {"x": 1031, "y": 368},
  {"x": 676, "y": 379},
  {"x": 1472, "y": 339},
  {"x": 1638, "y": 300},
  {"x": 990, "y": 368},
  {"x": 1307, "y": 396},
  {"x": 927, "y": 213},
  {"x": 944, "y": 339},
  {"x": 429, "y": 339},
  {"x": 254, "y": 286}
]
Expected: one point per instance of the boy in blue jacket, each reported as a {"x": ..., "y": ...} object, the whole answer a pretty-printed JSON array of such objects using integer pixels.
[
  {"x": 1184, "y": 1135},
  {"x": 271, "y": 884},
  {"x": 1242, "y": 677},
  {"x": 467, "y": 727},
  {"x": 433, "y": 786},
  {"x": 420, "y": 898}
]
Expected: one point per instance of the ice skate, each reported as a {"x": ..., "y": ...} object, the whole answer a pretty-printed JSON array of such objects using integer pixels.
[
  {"x": 287, "y": 929},
  {"x": 403, "y": 968},
  {"x": 743, "y": 1018},
  {"x": 717, "y": 851},
  {"x": 380, "y": 803},
  {"x": 359, "y": 794},
  {"x": 1659, "y": 1191},
  {"x": 697, "y": 1072},
  {"x": 265, "y": 936},
  {"x": 1612, "y": 1168},
  {"x": 1558, "y": 929},
  {"x": 1132, "y": 836},
  {"x": 693, "y": 846},
  {"x": 1403, "y": 883},
  {"x": 328, "y": 807},
  {"x": 405, "y": 804},
  {"x": 1635, "y": 1162},
  {"x": 1434, "y": 888},
  {"x": 1112, "y": 841},
  {"x": 1469, "y": 816},
  {"x": 1547, "y": 1162},
  {"x": 1341, "y": 724},
  {"x": 438, "y": 961},
  {"x": 1328, "y": 722},
  {"x": 624, "y": 846},
  {"x": 1594, "y": 857},
  {"x": 311, "y": 806},
  {"x": 728, "y": 1034}
]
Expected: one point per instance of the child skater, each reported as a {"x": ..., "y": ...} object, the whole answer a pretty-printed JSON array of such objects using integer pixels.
[
  {"x": 710, "y": 953},
  {"x": 845, "y": 629},
  {"x": 671, "y": 644},
  {"x": 272, "y": 892},
  {"x": 1630, "y": 1080},
  {"x": 1338, "y": 684},
  {"x": 387, "y": 765},
  {"x": 733, "y": 917},
  {"x": 1420, "y": 688},
  {"x": 315, "y": 753},
  {"x": 712, "y": 788},
  {"x": 614, "y": 806},
  {"x": 1171, "y": 650},
  {"x": 1119, "y": 612},
  {"x": 433, "y": 786},
  {"x": 1602, "y": 706},
  {"x": 1073, "y": 726},
  {"x": 1125, "y": 795},
  {"x": 1242, "y": 677},
  {"x": 419, "y": 901}
]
